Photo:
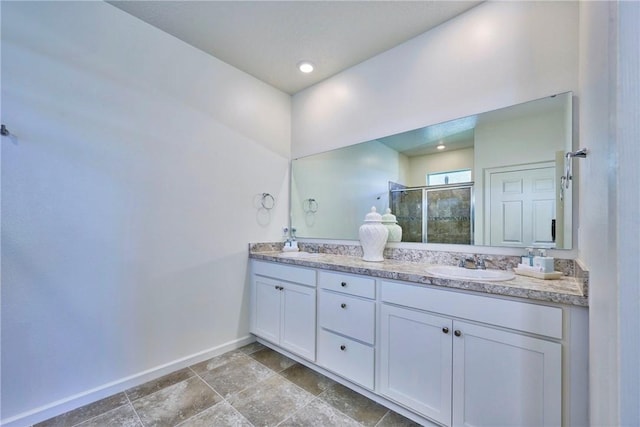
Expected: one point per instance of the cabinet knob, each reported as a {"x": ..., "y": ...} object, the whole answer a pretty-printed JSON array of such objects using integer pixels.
[
  {"x": 457, "y": 333},
  {"x": 277, "y": 287},
  {"x": 445, "y": 330},
  {"x": 343, "y": 284},
  {"x": 343, "y": 347},
  {"x": 343, "y": 305}
]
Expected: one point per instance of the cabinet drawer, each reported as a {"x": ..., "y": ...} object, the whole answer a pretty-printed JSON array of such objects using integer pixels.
[
  {"x": 347, "y": 315},
  {"x": 287, "y": 273},
  {"x": 347, "y": 283},
  {"x": 533, "y": 318},
  {"x": 347, "y": 358}
]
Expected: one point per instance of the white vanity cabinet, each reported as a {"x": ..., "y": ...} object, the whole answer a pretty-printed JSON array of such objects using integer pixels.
[
  {"x": 346, "y": 326},
  {"x": 438, "y": 356},
  {"x": 470, "y": 360},
  {"x": 283, "y": 309}
]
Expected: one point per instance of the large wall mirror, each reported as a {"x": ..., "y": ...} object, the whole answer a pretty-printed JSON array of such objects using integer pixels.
[{"x": 491, "y": 179}]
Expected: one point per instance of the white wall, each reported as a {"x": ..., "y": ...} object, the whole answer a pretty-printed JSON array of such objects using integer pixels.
[
  {"x": 628, "y": 206},
  {"x": 342, "y": 201},
  {"x": 609, "y": 200},
  {"x": 497, "y": 54},
  {"x": 420, "y": 166},
  {"x": 597, "y": 214},
  {"x": 128, "y": 200}
]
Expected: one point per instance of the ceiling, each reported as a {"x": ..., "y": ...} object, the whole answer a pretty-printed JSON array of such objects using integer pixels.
[{"x": 267, "y": 39}]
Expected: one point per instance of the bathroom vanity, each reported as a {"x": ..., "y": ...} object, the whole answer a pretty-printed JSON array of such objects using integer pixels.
[{"x": 440, "y": 351}]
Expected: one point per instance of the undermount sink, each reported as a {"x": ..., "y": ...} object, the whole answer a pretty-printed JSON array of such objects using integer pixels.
[
  {"x": 461, "y": 273},
  {"x": 300, "y": 254}
]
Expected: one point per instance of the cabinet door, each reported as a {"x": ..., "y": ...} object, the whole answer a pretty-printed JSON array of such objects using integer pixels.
[
  {"x": 299, "y": 320},
  {"x": 505, "y": 379},
  {"x": 267, "y": 311},
  {"x": 415, "y": 361}
]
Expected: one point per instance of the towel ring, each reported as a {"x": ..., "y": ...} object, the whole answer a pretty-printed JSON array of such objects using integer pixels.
[
  {"x": 310, "y": 206},
  {"x": 267, "y": 201}
]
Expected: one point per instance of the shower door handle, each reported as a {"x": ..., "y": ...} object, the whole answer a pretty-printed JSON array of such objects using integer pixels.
[{"x": 553, "y": 230}]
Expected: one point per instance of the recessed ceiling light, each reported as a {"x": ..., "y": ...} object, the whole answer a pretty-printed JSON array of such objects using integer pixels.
[
  {"x": 441, "y": 146},
  {"x": 305, "y": 66}
]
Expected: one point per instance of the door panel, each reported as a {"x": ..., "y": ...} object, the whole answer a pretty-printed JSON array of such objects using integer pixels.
[{"x": 522, "y": 207}]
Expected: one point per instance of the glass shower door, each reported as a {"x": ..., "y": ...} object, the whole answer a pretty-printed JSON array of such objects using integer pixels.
[{"x": 449, "y": 214}]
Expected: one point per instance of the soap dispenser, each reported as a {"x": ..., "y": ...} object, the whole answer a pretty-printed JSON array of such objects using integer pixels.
[
  {"x": 543, "y": 262},
  {"x": 373, "y": 236},
  {"x": 527, "y": 260}
]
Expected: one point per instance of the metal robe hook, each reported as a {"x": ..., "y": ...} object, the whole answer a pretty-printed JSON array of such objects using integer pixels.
[
  {"x": 568, "y": 175},
  {"x": 4, "y": 131},
  {"x": 581, "y": 153}
]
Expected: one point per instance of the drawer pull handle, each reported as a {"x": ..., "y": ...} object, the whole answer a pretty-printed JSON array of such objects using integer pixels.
[
  {"x": 343, "y": 284},
  {"x": 343, "y": 305},
  {"x": 457, "y": 333},
  {"x": 445, "y": 330},
  {"x": 343, "y": 347}
]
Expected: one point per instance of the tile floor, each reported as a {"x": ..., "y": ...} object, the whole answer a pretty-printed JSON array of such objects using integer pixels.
[{"x": 251, "y": 386}]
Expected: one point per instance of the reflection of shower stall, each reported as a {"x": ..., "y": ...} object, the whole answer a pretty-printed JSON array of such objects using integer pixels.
[{"x": 434, "y": 214}]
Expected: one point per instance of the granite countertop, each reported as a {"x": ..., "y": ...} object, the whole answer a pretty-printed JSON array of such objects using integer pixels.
[{"x": 567, "y": 290}]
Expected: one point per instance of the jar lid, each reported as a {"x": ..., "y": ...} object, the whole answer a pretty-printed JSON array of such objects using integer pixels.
[
  {"x": 389, "y": 217},
  {"x": 373, "y": 216}
]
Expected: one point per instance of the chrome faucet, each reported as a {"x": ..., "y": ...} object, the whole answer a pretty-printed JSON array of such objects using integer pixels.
[{"x": 477, "y": 262}]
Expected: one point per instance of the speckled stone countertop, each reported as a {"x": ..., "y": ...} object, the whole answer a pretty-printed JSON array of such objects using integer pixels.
[{"x": 567, "y": 290}]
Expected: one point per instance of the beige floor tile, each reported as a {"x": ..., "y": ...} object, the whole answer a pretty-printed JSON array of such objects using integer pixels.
[
  {"x": 86, "y": 412},
  {"x": 252, "y": 348},
  {"x": 256, "y": 396},
  {"x": 219, "y": 415},
  {"x": 123, "y": 416},
  {"x": 272, "y": 359},
  {"x": 319, "y": 413},
  {"x": 175, "y": 403},
  {"x": 270, "y": 402},
  {"x": 356, "y": 406},
  {"x": 393, "y": 419},
  {"x": 158, "y": 384},
  {"x": 236, "y": 375},
  {"x": 307, "y": 379},
  {"x": 218, "y": 361}
]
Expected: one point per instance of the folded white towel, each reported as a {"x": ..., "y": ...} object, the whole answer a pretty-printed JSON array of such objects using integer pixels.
[{"x": 529, "y": 268}]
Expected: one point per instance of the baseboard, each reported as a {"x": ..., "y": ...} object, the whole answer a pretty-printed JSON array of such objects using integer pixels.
[{"x": 89, "y": 396}]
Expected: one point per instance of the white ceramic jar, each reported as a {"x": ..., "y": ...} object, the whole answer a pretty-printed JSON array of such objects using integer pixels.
[
  {"x": 395, "y": 231},
  {"x": 373, "y": 236}
]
